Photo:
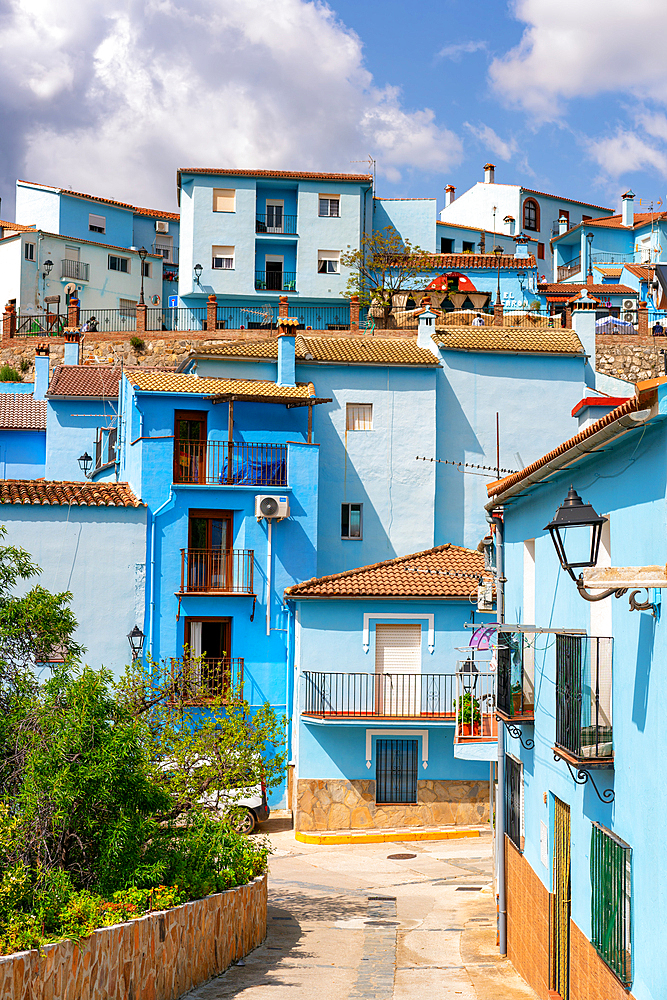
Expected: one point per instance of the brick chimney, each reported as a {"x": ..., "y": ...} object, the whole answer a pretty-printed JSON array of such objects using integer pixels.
[
  {"x": 489, "y": 173},
  {"x": 71, "y": 354},
  {"x": 450, "y": 195}
]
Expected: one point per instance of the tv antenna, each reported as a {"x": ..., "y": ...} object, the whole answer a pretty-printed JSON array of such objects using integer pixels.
[{"x": 371, "y": 167}]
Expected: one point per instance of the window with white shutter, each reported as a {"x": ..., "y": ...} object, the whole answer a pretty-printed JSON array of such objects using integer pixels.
[
  {"x": 224, "y": 200},
  {"x": 398, "y": 669},
  {"x": 97, "y": 224},
  {"x": 223, "y": 258}
]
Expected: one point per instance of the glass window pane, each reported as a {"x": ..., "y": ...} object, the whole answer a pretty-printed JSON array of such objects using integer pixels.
[{"x": 355, "y": 520}]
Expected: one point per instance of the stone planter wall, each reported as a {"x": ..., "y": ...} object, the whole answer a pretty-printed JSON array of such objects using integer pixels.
[
  {"x": 350, "y": 805},
  {"x": 157, "y": 957}
]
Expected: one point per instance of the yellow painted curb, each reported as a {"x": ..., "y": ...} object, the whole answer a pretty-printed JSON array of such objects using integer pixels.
[{"x": 382, "y": 838}]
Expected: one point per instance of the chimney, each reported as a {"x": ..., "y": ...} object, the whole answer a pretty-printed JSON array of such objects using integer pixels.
[
  {"x": 71, "y": 356},
  {"x": 583, "y": 321},
  {"x": 510, "y": 221},
  {"x": 426, "y": 326},
  {"x": 489, "y": 173},
  {"x": 563, "y": 225},
  {"x": 628, "y": 214},
  {"x": 41, "y": 371},
  {"x": 521, "y": 247},
  {"x": 450, "y": 195},
  {"x": 286, "y": 350}
]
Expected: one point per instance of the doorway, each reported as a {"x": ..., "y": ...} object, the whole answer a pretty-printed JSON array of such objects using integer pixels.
[
  {"x": 210, "y": 550},
  {"x": 561, "y": 902},
  {"x": 274, "y": 275},
  {"x": 398, "y": 670}
]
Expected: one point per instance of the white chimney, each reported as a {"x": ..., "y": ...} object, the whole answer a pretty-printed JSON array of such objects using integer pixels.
[
  {"x": 510, "y": 221},
  {"x": 628, "y": 214},
  {"x": 489, "y": 173},
  {"x": 563, "y": 225},
  {"x": 450, "y": 195}
]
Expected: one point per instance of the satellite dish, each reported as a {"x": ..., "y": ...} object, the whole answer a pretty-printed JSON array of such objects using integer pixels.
[{"x": 70, "y": 289}]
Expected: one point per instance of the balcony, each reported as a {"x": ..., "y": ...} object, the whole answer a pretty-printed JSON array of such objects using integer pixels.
[
  {"x": 566, "y": 271},
  {"x": 217, "y": 571},
  {"x": 285, "y": 224},
  {"x": 275, "y": 281},
  {"x": 75, "y": 269},
  {"x": 167, "y": 251},
  {"x": 379, "y": 696},
  {"x": 583, "y": 700},
  {"x": 206, "y": 679},
  {"x": 515, "y": 696},
  {"x": 218, "y": 463}
]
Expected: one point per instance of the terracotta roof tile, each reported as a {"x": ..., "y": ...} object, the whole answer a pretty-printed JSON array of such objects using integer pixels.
[
  {"x": 57, "y": 493},
  {"x": 478, "y": 261},
  {"x": 94, "y": 381},
  {"x": 158, "y": 381},
  {"x": 158, "y": 213},
  {"x": 570, "y": 288},
  {"x": 20, "y": 411},
  {"x": 16, "y": 227},
  {"x": 296, "y": 174},
  {"x": 611, "y": 271},
  {"x": 517, "y": 339},
  {"x": 640, "y": 271},
  {"x": 432, "y": 573},
  {"x": 616, "y": 221},
  {"x": 346, "y": 350},
  {"x": 573, "y": 201}
]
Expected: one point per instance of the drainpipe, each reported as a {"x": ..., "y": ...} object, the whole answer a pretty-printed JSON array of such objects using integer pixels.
[
  {"x": 151, "y": 609},
  {"x": 500, "y": 801}
]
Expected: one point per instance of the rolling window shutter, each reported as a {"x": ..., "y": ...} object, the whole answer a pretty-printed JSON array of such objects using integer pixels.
[
  {"x": 398, "y": 649},
  {"x": 224, "y": 200}
]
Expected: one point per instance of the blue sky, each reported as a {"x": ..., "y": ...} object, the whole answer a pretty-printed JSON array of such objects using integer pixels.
[{"x": 112, "y": 96}]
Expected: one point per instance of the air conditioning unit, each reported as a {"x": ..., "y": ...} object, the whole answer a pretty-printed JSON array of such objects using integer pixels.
[
  {"x": 629, "y": 304},
  {"x": 271, "y": 506},
  {"x": 161, "y": 226},
  {"x": 630, "y": 316}
]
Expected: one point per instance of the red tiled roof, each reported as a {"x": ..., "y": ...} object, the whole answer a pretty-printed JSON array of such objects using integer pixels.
[
  {"x": 573, "y": 201},
  {"x": 94, "y": 381},
  {"x": 482, "y": 229},
  {"x": 568, "y": 289},
  {"x": 16, "y": 227},
  {"x": 20, "y": 411},
  {"x": 57, "y": 493},
  {"x": 158, "y": 213},
  {"x": 616, "y": 221},
  {"x": 476, "y": 261},
  {"x": 500, "y": 485},
  {"x": 447, "y": 571},
  {"x": 296, "y": 174},
  {"x": 612, "y": 401},
  {"x": 640, "y": 271}
]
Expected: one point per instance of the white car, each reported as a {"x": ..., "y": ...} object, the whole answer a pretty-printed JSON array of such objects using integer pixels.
[{"x": 250, "y": 802}]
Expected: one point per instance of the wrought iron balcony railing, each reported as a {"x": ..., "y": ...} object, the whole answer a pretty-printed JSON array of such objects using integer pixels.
[
  {"x": 515, "y": 695},
  {"x": 273, "y": 223},
  {"x": 74, "y": 269},
  {"x": 205, "y": 678},
  {"x": 218, "y": 463},
  {"x": 275, "y": 281},
  {"x": 217, "y": 570},
  {"x": 583, "y": 699},
  {"x": 393, "y": 696}
]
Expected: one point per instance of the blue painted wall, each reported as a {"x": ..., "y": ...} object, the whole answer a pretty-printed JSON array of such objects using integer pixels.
[
  {"x": 71, "y": 426},
  {"x": 414, "y": 219},
  {"x": 22, "y": 454}
]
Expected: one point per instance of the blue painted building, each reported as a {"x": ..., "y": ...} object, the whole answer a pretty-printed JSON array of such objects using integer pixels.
[{"x": 581, "y": 690}]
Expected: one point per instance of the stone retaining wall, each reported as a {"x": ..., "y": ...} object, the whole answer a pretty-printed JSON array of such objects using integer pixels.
[
  {"x": 157, "y": 957},
  {"x": 633, "y": 358},
  {"x": 350, "y": 805}
]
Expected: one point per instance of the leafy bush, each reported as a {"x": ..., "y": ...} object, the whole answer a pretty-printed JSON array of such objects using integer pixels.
[
  {"x": 137, "y": 343},
  {"x": 9, "y": 374},
  {"x": 24, "y": 365}
]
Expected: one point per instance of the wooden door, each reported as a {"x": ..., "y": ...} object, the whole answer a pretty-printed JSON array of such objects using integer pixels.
[
  {"x": 190, "y": 446},
  {"x": 561, "y": 902}
]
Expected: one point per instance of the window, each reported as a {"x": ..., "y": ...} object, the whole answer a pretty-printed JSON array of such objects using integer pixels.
[
  {"x": 584, "y": 697},
  {"x": 540, "y": 251},
  {"x": 398, "y": 664},
  {"x": 209, "y": 671},
  {"x": 351, "y": 520},
  {"x": 329, "y": 206},
  {"x": 359, "y": 417},
  {"x": 611, "y": 901},
  {"x": 164, "y": 250},
  {"x": 223, "y": 258},
  {"x": 468, "y": 246},
  {"x": 190, "y": 446},
  {"x": 446, "y": 245},
  {"x": 146, "y": 268},
  {"x": 105, "y": 446},
  {"x": 396, "y": 771},
  {"x": 274, "y": 216},
  {"x": 127, "y": 307},
  {"x": 586, "y": 218},
  {"x": 224, "y": 200},
  {"x": 119, "y": 264},
  {"x": 514, "y": 800},
  {"x": 97, "y": 224},
  {"x": 531, "y": 214},
  {"x": 210, "y": 561},
  {"x": 328, "y": 261},
  {"x": 30, "y": 251}
]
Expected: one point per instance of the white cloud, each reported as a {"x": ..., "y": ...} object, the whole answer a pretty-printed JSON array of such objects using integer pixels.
[
  {"x": 581, "y": 48},
  {"x": 626, "y": 151},
  {"x": 112, "y": 98},
  {"x": 456, "y": 51},
  {"x": 502, "y": 148}
]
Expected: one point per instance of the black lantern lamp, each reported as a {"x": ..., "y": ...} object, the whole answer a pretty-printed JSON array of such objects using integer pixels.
[
  {"x": 580, "y": 520},
  {"x": 48, "y": 267},
  {"x": 136, "y": 640},
  {"x": 143, "y": 254},
  {"x": 198, "y": 270},
  {"x": 85, "y": 463}
]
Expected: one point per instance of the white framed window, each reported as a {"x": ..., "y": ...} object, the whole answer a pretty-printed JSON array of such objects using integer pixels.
[
  {"x": 119, "y": 263},
  {"x": 223, "y": 258},
  {"x": 351, "y": 520},
  {"x": 329, "y": 206},
  {"x": 359, "y": 416},
  {"x": 147, "y": 269},
  {"x": 97, "y": 224},
  {"x": 29, "y": 251},
  {"x": 224, "y": 200},
  {"x": 328, "y": 261},
  {"x": 274, "y": 216},
  {"x": 127, "y": 307}
]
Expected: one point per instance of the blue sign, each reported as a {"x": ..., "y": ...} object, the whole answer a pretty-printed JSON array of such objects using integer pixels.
[{"x": 172, "y": 301}]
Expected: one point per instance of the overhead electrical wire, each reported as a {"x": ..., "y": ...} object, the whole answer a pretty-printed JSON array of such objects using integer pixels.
[{"x": 463, "y": 466}]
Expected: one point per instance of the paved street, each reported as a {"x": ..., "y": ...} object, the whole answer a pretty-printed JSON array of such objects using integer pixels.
[{"x": 354, "y": 922}]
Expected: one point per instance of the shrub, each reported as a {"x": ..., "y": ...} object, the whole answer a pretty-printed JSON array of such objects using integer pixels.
[
  {"x": 24, "y": 365},
  {"x": 9, "y": 374},
  {"x": 137, "y": 343}
]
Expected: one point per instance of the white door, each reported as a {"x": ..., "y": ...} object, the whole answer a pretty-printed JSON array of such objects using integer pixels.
[{"x": 398, "y": 669}]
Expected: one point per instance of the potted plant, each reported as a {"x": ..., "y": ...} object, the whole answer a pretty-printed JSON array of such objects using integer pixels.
[{"x": 468, "y": 715}]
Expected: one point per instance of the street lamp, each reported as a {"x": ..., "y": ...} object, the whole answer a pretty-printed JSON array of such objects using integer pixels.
[
  {"x": 589, "y": 240},
  {"x": 143, "y": 254},
  {"x": 136, "y": 640},
  {"x": 48, "y": 266},
  {"x": 85, "y": 463},
  {"x": 582, "y": 526},
  {"x": 198, "y": 270},
  {"x": 498, "y": 250}
]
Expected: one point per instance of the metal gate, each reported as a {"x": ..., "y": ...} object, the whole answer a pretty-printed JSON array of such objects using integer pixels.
[
  {"x": 396, "y": 771},
  {"x": 561, "y": 902}
]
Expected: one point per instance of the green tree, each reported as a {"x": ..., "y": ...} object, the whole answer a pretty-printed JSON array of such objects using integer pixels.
[{"x": 384, "y": 265}]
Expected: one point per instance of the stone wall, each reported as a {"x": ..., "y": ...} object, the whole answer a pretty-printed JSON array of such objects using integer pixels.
[
  {"x": 632, "y": 358},
  {"x": 158, "y": 957},
  {"x": 350, "y": 805}
]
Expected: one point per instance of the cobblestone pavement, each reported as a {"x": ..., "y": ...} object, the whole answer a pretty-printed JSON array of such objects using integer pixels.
[{"x": 391, "y": 921}]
